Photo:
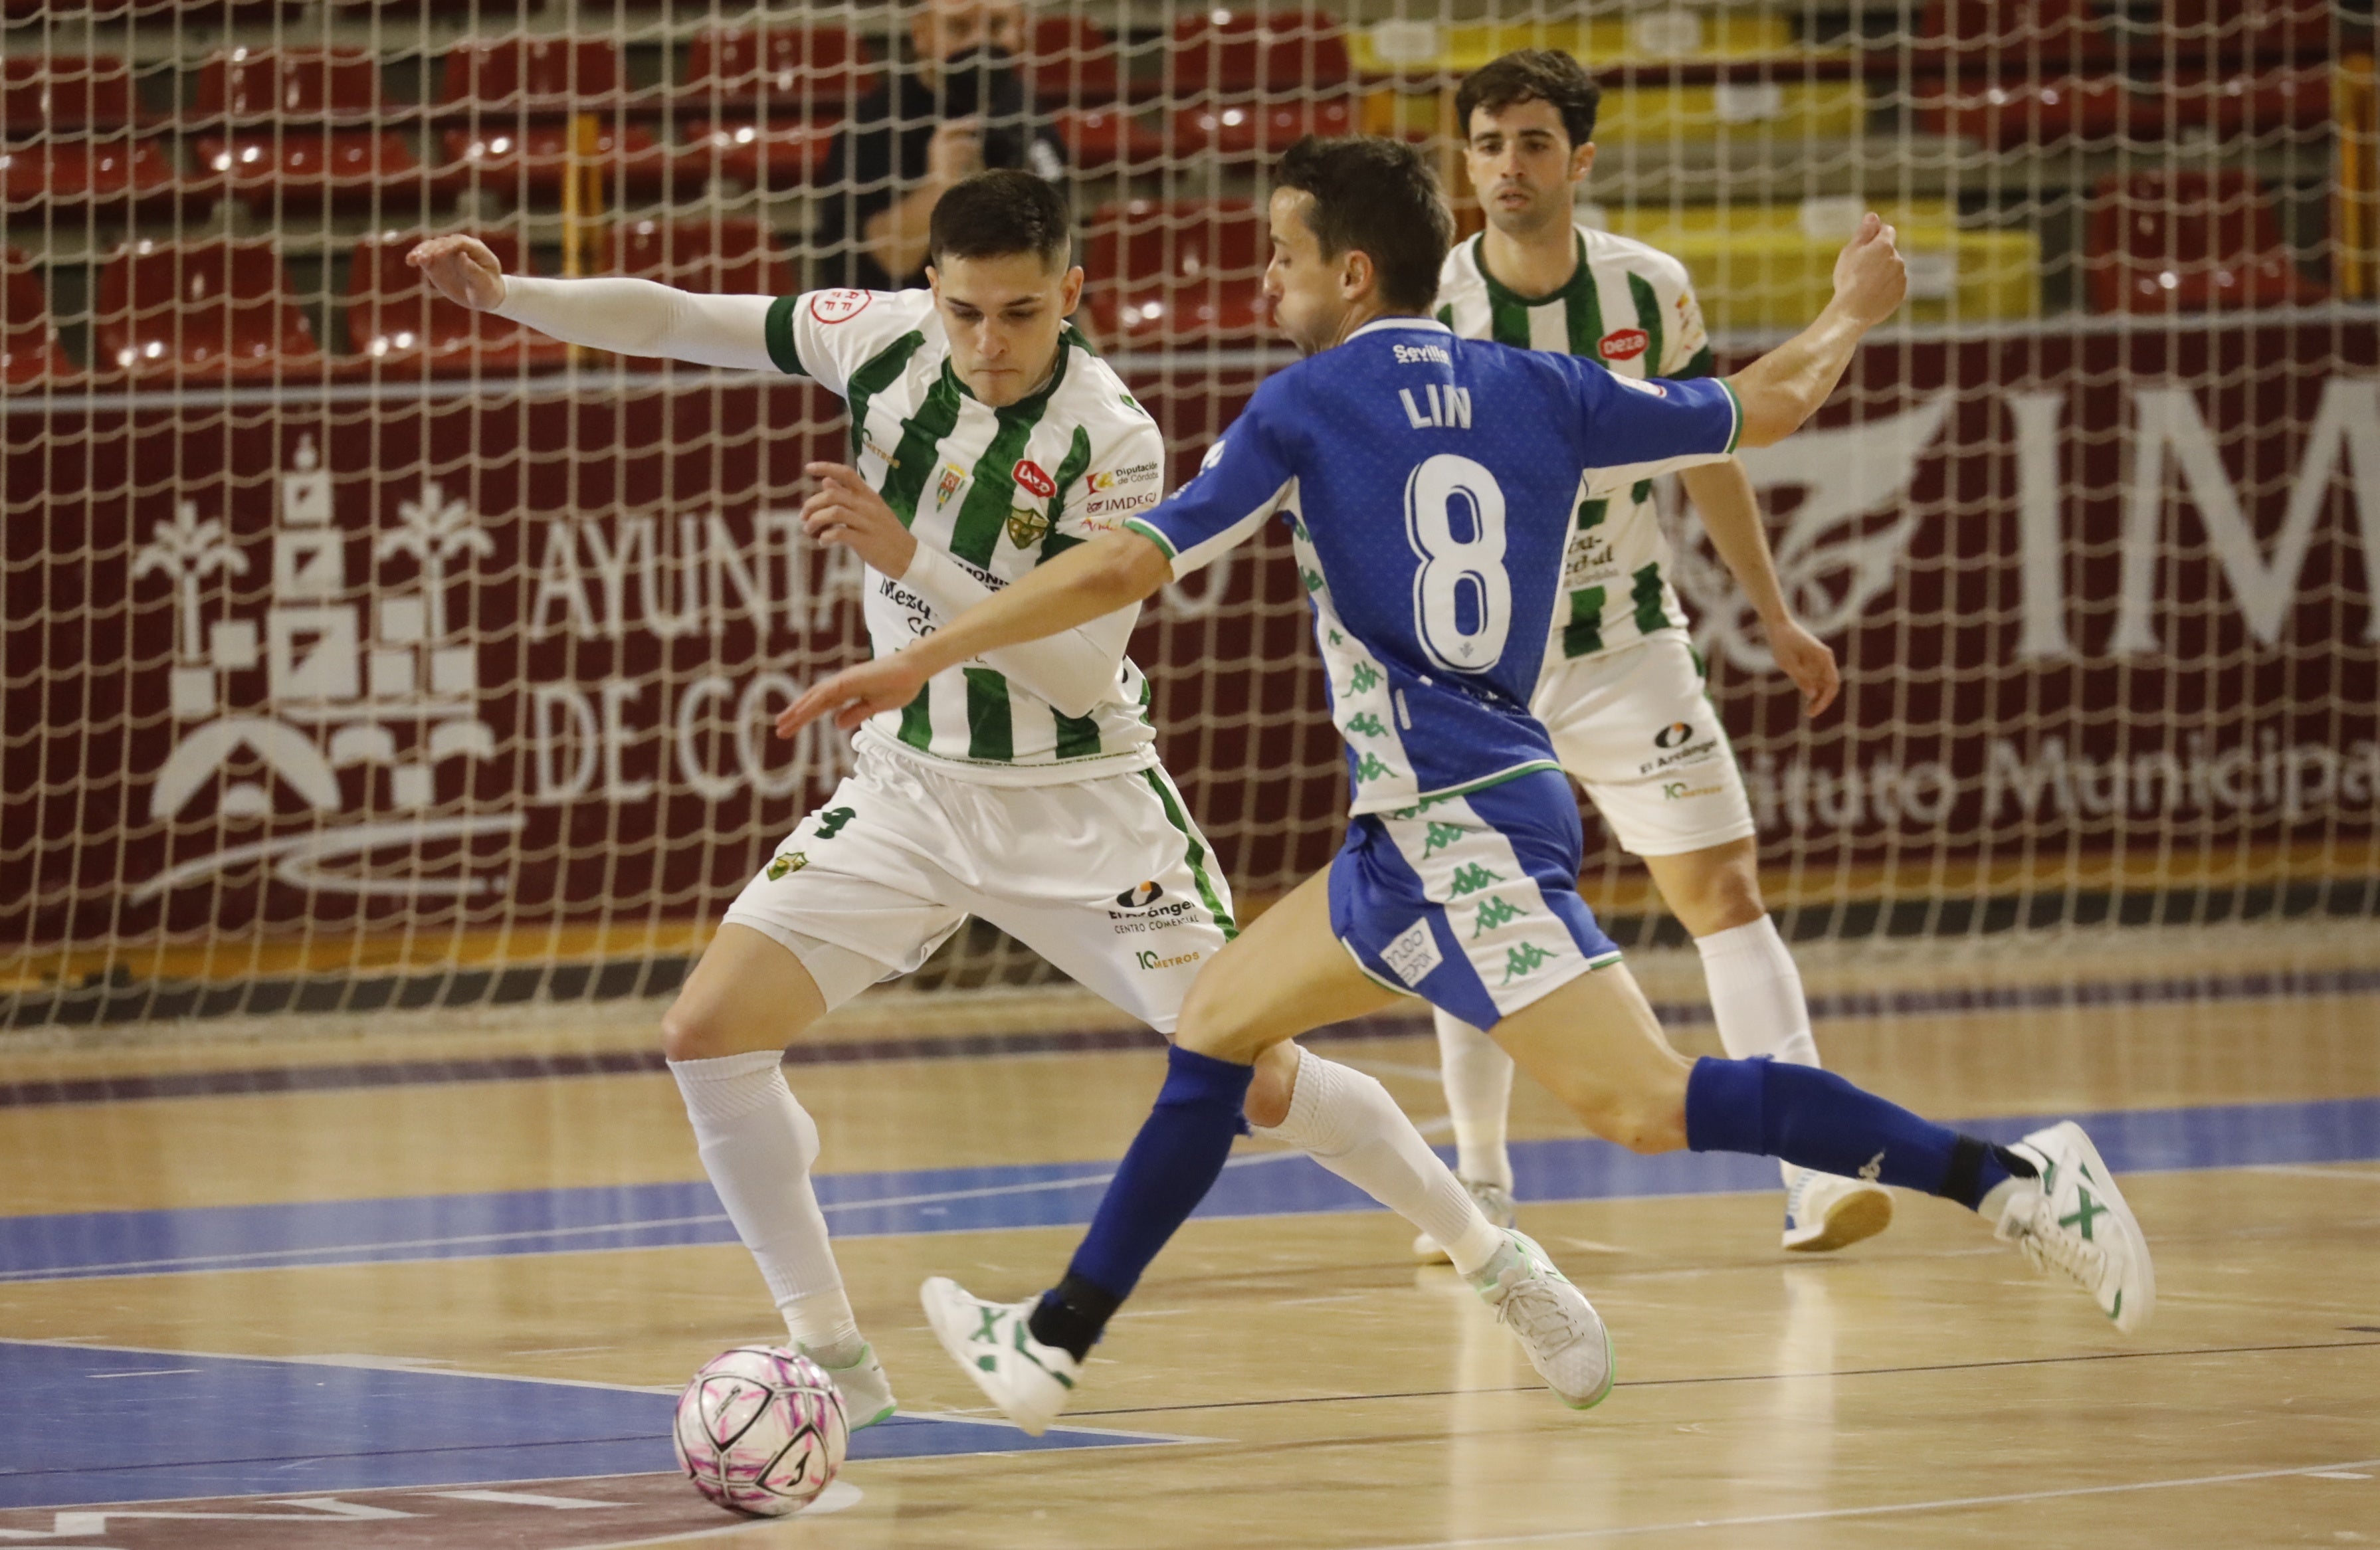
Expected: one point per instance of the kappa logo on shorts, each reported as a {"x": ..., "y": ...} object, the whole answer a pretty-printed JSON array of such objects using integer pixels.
[
  {"x": 1413, "y": 954},
  {"x": 1140, "y": 895},
  {"x": 1671, "y": 735},
  {"x": 787, "y": 865}
]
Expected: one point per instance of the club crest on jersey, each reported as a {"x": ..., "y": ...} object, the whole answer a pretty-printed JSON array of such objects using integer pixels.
[
  {"x": 1031, "y": 476},
  {"x": 787, "y": 864},
  {"x": 953, "y": 477},
  {"x": 1141, "y": 895},
  {"x": 1027, "y": 527},
  {"x": 1623, "y": 344},
  {"x": 839, "y": 307}
]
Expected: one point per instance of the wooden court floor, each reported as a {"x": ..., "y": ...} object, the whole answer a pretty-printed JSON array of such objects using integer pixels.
[{"x": 432, "y": 1280}]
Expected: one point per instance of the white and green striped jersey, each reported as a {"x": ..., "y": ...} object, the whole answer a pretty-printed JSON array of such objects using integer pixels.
[
  {"x": 999, "y": 490},
  {"x": 1631, "y": 307}
]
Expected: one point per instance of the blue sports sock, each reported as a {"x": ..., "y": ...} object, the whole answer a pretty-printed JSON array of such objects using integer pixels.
[
  {"x": 1814, "y": 1118},
  {"x": 1172, "y": 1163}
]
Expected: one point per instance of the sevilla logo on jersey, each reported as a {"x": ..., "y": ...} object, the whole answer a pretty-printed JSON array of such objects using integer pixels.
[
  {"x": 1030, "y": 475},
  {"x": 1623, "y": 344},
  {"x": 839, "y": 307}
]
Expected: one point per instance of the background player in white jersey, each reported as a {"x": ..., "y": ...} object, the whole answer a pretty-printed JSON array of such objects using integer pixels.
[
  {"x": 1622, "y": 691},
  {"x": 1022, "y": 786},
  {"x": 1428, "y": 483}
]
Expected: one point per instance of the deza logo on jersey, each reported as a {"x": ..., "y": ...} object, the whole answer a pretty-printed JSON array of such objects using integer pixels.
[
  {"x": 1030, "y": 475},
  {"x": 1623, "y": 344}
]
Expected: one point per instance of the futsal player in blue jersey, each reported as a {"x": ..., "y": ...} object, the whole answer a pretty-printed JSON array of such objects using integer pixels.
[{"x": 1430, "y": 484}]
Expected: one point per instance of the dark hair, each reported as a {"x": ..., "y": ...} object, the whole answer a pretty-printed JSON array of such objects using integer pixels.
[
  {"x": 995, "y": 213},
  {"x": 1377, "y": 197},
  {"x": 1533, "y": 74}
]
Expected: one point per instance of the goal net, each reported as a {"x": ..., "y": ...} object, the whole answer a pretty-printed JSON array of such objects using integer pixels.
[{"x": 357, "y": 652}]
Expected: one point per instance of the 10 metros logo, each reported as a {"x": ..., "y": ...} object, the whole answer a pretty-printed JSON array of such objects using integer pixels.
[{"x": 1145, "y": 907}]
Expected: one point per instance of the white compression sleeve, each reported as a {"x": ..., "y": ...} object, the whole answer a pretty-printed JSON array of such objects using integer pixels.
[
  {"x": 1075, "y": 670},
  {"x": 757, "y": 1144},
  {"x": 1478, "y": 1077},
  {"x": 640, "y": 318},
  {"x": 1756, "y": 995},
  {"x": 1346, "y": 1121}
]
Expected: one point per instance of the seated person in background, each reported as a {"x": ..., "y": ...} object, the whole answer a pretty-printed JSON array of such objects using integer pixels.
[{"x": 954, "y": 106}]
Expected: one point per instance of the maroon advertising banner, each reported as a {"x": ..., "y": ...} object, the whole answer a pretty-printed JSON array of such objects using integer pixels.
[{"x": 509, "y": 657}]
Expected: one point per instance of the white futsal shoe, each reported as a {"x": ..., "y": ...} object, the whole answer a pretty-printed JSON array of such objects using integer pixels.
[
  {"x": 2072, "y": 1222},
  {"x": 1827, "y": 1211},
  {"x": 1030, "y": 1382},
  {"x": 866, "y": 1392},
  {"x": 1495, "y": 1204},
  {"x": 1556, "y": 1325}
]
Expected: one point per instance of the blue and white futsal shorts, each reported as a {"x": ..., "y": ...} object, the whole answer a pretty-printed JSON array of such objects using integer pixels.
[{"x": 1470, "y": 903}]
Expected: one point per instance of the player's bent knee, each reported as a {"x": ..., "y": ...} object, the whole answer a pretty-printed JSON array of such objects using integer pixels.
[{"x": 1627, "y": 1120}]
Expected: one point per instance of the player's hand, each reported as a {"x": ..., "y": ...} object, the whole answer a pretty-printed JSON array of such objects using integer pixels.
[
  {"x": 461, "y": 269},
  {"x": 955, "y": 152},
  {"x": 1809, "y": 662},
  {"x": 854, "y": 693},
  {"x": 1870, "y": 279},
  {"x": 845, "y": 510}
]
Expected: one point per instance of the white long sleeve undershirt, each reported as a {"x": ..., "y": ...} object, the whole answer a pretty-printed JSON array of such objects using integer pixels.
[{"x": 1076, "y": 671}]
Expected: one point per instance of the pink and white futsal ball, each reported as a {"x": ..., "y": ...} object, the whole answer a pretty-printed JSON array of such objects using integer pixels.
[{"x": 760, "y": 1430}]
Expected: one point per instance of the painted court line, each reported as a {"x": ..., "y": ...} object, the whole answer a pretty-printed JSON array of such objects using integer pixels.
[
  {"x": 1823, "y": 1515},
  {"x": 686, "y": 1213}
]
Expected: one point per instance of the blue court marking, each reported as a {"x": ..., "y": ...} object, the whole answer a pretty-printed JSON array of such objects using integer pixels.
[
  {"x": 100, "y": 1243},
  {"x": 88, "y": 1427}
]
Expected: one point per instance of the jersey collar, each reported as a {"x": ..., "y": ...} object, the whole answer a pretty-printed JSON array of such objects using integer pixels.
[
  {"x": 1429, "y": 325},
  {"x": 1498, "y": 291}
]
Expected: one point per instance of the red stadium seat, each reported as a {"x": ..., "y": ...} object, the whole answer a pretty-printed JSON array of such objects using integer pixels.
[
  {"x": 209, "y": 311},
  {"x": 42, "y": 94},
  {"x": 533, "y": 75},
  {"x": 1260, "y": 128},
  {"x": 397, "y": 325},
  {"x": 251, "y": 85},
  {"x": 30, "y": 353},
  {"x": 1185, "y": 273},
  {"x": 117, "y": 171},
  {"x": 2236, "y": 32},
  {"x": 717, "y": 257},
  {"x": 308, "y": 169},
  {"x": 1102, "y": 136},
  {"x": 814, "y": 71},
  {"x": 1999, "y": 37},
  {"x": 1236, "y": 52},
  {"x": 758, "y": 153},
  {"x": 529, "y": 162},
  {"x": 2189, "y": 242},
  {"x": 1070, "y": 61},
  {"x": 2057, "y": 110}
]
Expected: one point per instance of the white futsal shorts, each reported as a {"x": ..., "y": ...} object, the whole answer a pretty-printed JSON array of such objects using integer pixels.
[
  {"x": 1633, "y": 727},
  {"x": 1108, "y": 878}
]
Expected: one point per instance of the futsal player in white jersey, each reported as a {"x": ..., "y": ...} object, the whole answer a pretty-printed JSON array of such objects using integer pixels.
[
  {"x": 1429, "y": 485},
  {"x": 1622, "y": 690},
  {"x": 1022, "y": 786}
]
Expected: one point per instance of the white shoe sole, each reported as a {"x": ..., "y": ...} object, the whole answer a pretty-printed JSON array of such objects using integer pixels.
[
  {"x": 1860, "y": 1214},
  {"x": 956, "y": 1342}
]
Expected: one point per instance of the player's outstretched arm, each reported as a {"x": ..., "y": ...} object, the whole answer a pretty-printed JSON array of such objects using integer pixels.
[
  {"x": 631, "y": 317},
  {"x": 1785, "y": 387},
  {"x": 1073, "y": 670},
  {"x": 1112, "y": 570}
]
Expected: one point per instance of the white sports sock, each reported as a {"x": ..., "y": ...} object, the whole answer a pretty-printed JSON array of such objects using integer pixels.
[
  {"x": 757, "y": 1144},
  {"x": 1346, "y": 1121},
  {"x": 1478, "y": 1077},
  {"x": 1755, "y": 994}
]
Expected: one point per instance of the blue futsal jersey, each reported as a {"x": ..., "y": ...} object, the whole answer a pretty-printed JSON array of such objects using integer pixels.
[{"x": 1431, "y": 484}]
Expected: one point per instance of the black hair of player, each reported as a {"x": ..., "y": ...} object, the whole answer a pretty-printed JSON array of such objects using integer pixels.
[
  {"x": 995, "y": 213},
  {"x": 1378, "y": 198},
  {"x": 1533, "y": 74}
]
